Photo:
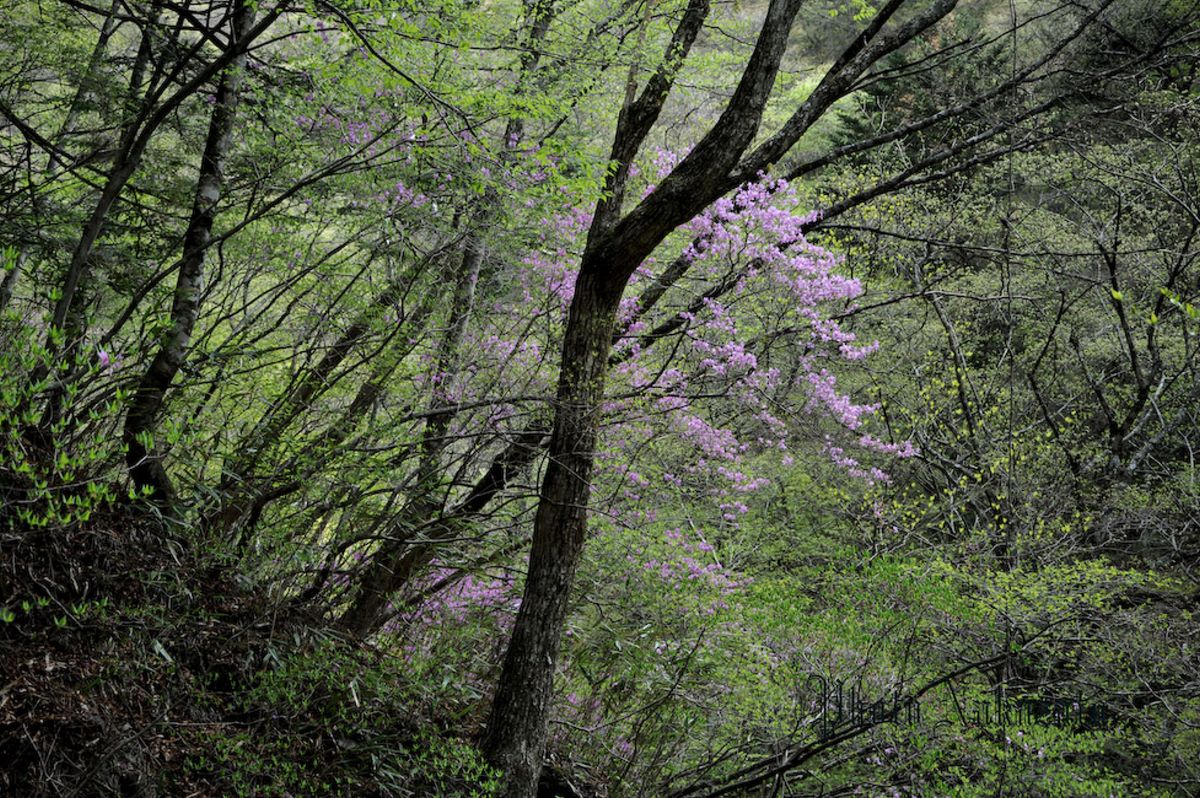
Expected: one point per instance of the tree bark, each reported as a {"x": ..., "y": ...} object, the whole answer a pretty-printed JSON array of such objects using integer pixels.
[
  {"x": 145, "y": 465},
  {"x": 517, "y": 727}
]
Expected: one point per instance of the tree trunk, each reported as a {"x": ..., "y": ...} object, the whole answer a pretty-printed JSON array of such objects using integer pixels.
[
  {"x": 516, "y": 733},
  {"x": 390, "y": 566},
  {"x": 8, "y": 280},
  {"x": 145, "y": 466}
]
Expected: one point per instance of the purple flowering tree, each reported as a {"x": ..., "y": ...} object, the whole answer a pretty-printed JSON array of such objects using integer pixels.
[{"x": 619, "y": 242}]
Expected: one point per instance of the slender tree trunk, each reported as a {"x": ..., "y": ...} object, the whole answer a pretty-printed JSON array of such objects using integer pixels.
[
  {"x": 434, "y": 440},
  {"x": 389, "y": 568},
  {"x": 145, "y": 465},
  {"x": 8, "y": 281},
  {"x": 127, "y": 160}
]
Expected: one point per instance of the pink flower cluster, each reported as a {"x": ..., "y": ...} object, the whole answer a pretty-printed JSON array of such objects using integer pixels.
[
  {"x": 471, "y": 596},
  {"x": 680, "y": 561},
  {"x": 753, "y": 243}
]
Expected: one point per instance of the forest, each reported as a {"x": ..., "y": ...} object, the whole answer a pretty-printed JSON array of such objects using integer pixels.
[{"x": 599, "y": 398}]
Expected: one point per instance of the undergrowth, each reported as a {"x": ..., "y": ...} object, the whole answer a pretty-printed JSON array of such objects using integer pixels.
[{"x": 138, "y": 667}]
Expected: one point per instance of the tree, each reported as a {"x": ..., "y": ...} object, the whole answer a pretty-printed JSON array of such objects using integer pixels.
[
  {"x": 142, "y": 417},
  {"x": 617, "y": 244},
  {"x": 300, "y": 277}
]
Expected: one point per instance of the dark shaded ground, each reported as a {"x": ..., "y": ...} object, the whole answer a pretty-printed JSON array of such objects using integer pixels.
[{"x": 132, "y": 666}]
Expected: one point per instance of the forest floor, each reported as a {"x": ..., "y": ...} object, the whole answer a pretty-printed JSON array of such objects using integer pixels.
[{"x": 126, "y": 668}]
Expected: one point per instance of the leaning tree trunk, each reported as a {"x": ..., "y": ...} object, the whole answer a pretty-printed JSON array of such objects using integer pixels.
[
  {"x": 388, "y": 568},
  {"x": 145, "y": 465}
]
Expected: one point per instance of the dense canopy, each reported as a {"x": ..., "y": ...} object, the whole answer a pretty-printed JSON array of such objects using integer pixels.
[{"x": 679, "y": 398}]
